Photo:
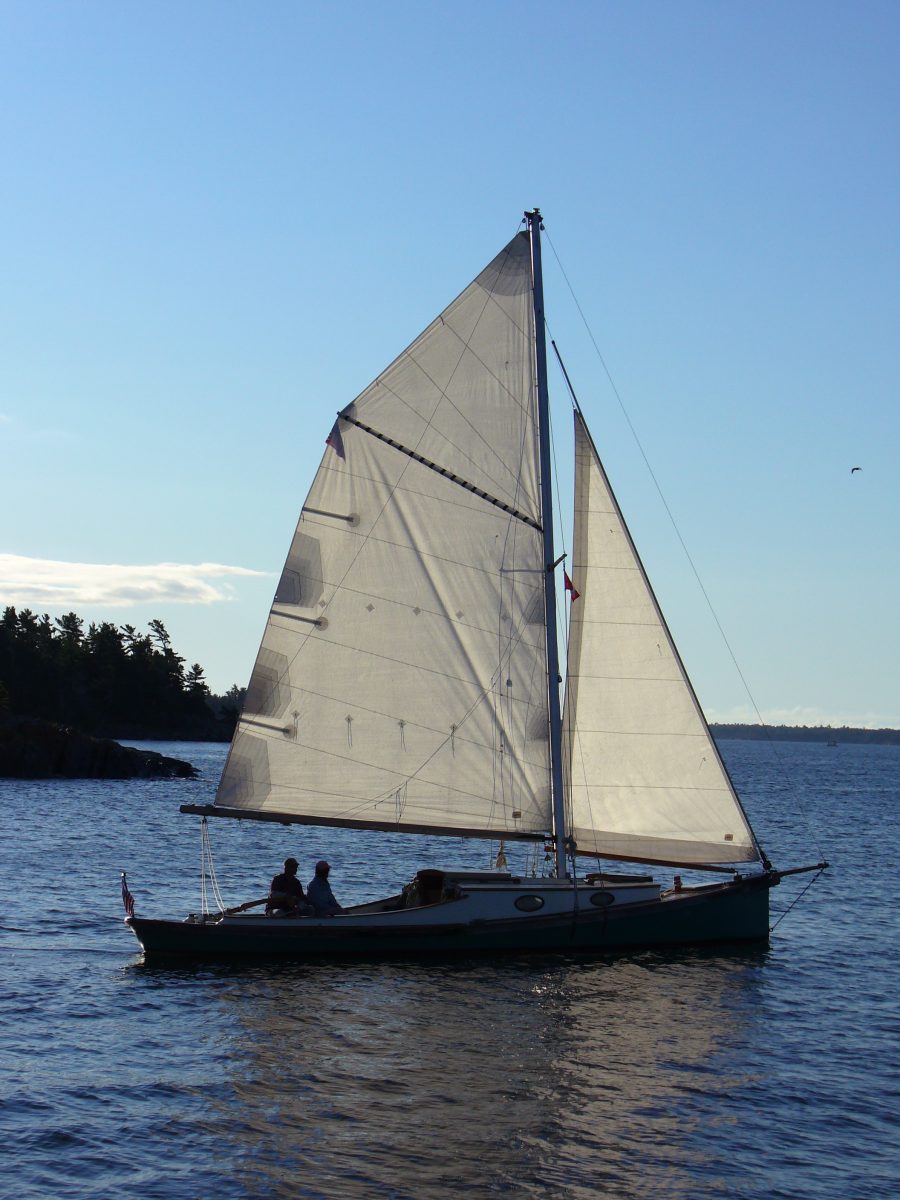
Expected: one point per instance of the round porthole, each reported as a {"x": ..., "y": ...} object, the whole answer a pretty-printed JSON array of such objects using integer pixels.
[
  {"x": 602, "y": 899},
  {"x": 530, "y": 903}
]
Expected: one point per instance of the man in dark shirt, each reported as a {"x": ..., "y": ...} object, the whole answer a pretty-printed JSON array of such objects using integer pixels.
[{"x": 286, "y": 892}]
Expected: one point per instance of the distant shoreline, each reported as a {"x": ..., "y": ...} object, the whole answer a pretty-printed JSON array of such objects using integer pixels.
[{"x": 828, "y": 734}]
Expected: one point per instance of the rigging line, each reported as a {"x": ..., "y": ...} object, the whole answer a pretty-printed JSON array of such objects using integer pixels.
[
  {"x": 204, "y": 908},
  {"x": 652, "y": 474},
  {"x": 564, "y": 612},
  {"x": 572, "y": 738},
  {"x": 562, "y": 617},
  {"x": 211, "y": 866},
  {"x": 561, "y": 526},
  {"x": 444, "y": 471},
  {"x": 796, "y": 899},
  {"x": 563, "y": 621}
]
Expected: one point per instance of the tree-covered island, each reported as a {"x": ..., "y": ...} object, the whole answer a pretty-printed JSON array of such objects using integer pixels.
[
  {"x": 63, "y": 687},
  {"x": 108, "y": 680}
]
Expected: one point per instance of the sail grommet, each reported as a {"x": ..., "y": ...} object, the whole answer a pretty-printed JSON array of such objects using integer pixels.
[{"x": 321, "y": 623}]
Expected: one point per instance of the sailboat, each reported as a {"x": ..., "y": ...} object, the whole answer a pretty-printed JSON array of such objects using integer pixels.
[{"x": 409, "y": 677}]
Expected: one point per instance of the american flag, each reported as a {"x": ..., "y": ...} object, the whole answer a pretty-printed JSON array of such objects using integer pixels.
[
  {"x": 127, "y": 898},
  {"x": 335, "y": 441}
]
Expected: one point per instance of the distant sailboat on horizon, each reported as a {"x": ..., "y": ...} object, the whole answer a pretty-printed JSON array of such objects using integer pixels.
[{"x": 408, "y": 677}]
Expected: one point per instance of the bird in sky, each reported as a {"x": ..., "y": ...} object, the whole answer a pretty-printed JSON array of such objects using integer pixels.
[{"x": 852, "y": 469}]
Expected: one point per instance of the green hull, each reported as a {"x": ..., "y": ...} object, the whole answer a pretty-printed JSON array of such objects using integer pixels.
[{"x": 726, "y": 912}]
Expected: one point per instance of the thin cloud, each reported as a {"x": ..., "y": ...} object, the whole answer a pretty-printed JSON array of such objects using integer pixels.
[{"x": 44, "y": 583}]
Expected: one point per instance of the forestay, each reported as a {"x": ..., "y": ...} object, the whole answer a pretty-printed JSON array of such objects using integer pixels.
[
  {"x": 401, "y": 680},
  {"x": 644, "y": 778}
]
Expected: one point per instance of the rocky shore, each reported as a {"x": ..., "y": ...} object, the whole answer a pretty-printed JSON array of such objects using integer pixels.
[{"x": 33, "y": 749}]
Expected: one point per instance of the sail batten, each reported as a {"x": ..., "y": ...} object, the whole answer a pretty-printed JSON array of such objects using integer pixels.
[{"x": 644, "y": 778}]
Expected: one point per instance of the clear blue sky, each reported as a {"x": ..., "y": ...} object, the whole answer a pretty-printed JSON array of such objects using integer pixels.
[{"x": 218, "y": 221}]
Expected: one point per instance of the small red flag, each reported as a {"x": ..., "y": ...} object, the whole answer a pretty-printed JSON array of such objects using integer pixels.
[{"x": 570, "y": 587}]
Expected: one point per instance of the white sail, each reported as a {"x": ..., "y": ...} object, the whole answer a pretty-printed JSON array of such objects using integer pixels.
[
  {"x": 401, "y": 680},
  {"x": 643, "y": 775}
]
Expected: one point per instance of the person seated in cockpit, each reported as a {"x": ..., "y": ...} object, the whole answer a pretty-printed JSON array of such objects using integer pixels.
[
  {"x": 286, "y": 893},
  {"x": 319, "y": 892}
]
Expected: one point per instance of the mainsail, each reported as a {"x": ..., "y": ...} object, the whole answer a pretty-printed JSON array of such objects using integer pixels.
[
  {"x": 401, "y": 681},
  {"x": 643, "y": 776}
]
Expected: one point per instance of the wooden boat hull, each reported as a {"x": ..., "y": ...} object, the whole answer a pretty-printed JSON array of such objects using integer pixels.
[{"x": 728, "y": 912}]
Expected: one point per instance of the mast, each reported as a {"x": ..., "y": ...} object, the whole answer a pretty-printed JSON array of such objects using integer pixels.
[{"x": 553, "y": 678}]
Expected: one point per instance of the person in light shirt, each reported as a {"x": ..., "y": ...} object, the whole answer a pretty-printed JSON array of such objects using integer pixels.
[{"x": 319, "y": 893}]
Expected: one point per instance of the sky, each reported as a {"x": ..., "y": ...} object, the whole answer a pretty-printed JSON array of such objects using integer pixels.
[{"x": 220, "y": 221}]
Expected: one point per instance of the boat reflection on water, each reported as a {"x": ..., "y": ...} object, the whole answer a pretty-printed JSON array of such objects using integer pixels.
[{"x": 521, "y": 1077}]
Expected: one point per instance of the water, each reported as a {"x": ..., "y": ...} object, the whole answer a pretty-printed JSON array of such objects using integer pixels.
[{"x": 759, "y": 1073}]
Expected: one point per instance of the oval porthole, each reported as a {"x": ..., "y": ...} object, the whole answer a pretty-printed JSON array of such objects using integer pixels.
[
  {"x": 530, "y": 903},
  {"x": 602, "y": 899}
]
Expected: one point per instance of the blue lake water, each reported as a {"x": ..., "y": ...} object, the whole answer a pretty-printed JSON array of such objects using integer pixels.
[{"x": 756, "y": 1073}]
